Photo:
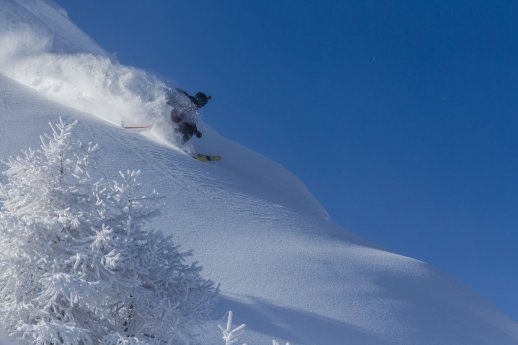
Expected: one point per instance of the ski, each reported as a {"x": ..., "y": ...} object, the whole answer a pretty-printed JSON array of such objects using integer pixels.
[{"x": 207, "y": 158}]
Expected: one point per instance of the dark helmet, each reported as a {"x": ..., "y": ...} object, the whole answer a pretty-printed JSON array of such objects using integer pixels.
[{"x": 200, "y": 99}]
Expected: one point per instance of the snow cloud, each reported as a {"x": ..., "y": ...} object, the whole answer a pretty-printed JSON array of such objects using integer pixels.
[
  {"x": 95, "y": 84},
  {"x": 21, "y": 40}
]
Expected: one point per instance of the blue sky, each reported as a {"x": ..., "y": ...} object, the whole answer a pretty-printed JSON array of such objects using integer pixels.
[{"x": 400, "y": 116}]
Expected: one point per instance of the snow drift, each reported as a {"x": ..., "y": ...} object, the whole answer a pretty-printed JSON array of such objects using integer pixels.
[{"x": 285, "y": 269}]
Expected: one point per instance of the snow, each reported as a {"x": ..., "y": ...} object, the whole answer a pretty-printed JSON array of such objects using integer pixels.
[{"x": 286, "y": 269}]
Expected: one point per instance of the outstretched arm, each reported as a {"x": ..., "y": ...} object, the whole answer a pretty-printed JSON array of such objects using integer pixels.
[
  {"x": 193, "y": 100},
  {"x": 197, "y": 133},
  {"x": 182, "y": 91}
]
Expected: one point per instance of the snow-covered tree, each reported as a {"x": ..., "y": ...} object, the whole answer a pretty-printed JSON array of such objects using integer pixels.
[
  {"x": 79, "y": 262},
  {"x": 230, "y": 333}
]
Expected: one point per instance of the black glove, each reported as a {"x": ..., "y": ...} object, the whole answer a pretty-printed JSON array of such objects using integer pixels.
[{"x": 198, "y": 134}]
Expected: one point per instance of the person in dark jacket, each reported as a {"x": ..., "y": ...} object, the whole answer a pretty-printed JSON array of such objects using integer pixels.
[{"x": 183, "y": 114}]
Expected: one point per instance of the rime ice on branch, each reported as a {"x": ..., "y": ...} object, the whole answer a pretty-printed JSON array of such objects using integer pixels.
[{"x": 230, "y": 334}]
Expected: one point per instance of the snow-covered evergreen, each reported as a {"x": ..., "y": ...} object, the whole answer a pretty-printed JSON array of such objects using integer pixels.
[
  {"x": 231, "y": 333},
  {"x": 79, "y": 263}
]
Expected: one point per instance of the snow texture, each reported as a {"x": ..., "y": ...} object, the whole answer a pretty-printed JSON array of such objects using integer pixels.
[{"x": 285, "y": 268}]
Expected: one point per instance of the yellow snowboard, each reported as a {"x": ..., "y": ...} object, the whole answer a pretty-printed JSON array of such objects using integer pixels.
[{"x": 207, "y": 158}]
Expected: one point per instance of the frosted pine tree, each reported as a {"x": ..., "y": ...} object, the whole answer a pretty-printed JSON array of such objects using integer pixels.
[
  {"x": 78, "y": 265},
  {"x": 156, "y": 296}
]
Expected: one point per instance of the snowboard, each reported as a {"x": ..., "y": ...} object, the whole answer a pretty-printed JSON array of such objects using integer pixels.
[
  {"x": 206, "y": 158},
  {"x": 197, "y": 156}
]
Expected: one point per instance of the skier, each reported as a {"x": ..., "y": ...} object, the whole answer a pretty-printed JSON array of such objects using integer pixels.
[{"x": 184, "y": 112}]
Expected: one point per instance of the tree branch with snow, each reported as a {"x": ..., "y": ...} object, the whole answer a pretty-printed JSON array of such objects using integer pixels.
[{"x": 231, "y": 333}]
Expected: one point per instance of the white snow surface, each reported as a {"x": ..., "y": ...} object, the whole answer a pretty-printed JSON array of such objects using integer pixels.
[{"x": 286, "y": 270}]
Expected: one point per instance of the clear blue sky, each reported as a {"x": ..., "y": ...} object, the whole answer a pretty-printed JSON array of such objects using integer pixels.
[{"x": 400, "y": 116}]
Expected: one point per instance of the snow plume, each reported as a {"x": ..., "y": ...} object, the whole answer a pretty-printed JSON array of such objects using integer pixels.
[
  {"x": 20, "y": 40},
  {"x": 95, "y": 84}
]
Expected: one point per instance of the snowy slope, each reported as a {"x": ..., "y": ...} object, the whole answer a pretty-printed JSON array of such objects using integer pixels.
[{"x": 286, "y": 269}]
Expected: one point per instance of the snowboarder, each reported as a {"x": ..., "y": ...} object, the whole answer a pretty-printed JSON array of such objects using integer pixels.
[{"x": 184, "y": 112}]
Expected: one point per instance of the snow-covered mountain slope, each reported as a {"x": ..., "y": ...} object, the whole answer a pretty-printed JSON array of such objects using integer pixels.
[{"x": 285, "y": 268}]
